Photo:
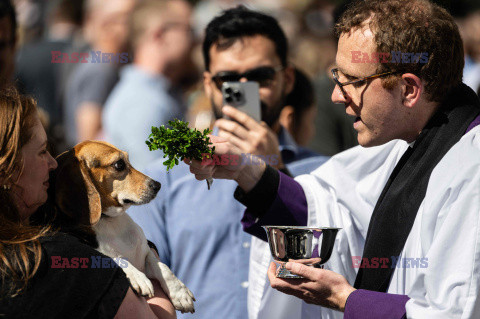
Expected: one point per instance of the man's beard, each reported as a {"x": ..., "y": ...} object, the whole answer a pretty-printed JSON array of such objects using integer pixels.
[{"x": 270, "y": 115}]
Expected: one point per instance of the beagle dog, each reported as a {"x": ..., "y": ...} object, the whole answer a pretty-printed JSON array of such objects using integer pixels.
[{"x": 91, "y": 188}]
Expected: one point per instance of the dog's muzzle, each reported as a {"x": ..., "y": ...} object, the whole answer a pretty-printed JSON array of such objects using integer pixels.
[{"x": 154, "y": 186}]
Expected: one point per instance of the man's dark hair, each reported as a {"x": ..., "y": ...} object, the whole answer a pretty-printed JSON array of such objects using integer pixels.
[
  {"x": 411, "y": 26},
  {"x": 302, "y": 96},
  {"x": 7, "y": 10},
  {"x": 240, "y": 22}
]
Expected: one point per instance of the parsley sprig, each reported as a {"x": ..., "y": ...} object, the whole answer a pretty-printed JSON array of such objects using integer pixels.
[{"x": 179, "y": 142}]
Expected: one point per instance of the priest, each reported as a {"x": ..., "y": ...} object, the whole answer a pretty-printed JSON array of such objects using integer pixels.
[{"x": 410, "y": 191}]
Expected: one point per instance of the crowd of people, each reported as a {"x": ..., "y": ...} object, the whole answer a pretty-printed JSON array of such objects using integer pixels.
[
  {"x": 66, "y": 42},
  {"x": 399, "y": 172}
]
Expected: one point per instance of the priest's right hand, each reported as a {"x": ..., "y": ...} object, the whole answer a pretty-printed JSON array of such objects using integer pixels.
[{"x": 228, "y": 163}]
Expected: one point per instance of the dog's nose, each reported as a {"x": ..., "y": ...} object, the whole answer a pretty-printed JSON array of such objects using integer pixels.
[{"x": 154, "y": 185}]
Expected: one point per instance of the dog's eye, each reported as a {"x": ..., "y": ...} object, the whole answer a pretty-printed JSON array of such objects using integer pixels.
[{"x": 119, "y": 165}]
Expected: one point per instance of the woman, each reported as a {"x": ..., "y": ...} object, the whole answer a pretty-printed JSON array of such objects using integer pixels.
[{"x": 42, "y": 272}]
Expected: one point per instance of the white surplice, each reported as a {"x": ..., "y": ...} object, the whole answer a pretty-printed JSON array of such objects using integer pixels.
[{"x": 446, "y": 232}]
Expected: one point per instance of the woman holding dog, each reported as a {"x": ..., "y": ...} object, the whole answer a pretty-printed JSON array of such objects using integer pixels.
[{"x": 43, "y": 272}]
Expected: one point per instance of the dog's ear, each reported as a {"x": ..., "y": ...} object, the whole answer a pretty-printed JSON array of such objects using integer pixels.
[
  {"x": 74, "y": 191},
  {"x": 94, "y": 200}
]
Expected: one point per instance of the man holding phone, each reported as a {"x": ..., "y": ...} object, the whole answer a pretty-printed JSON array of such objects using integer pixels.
[
  {"x": 261, "y": 58},
  {"x": 198, "y": 231},
  {"x": 409, "y": 193}
]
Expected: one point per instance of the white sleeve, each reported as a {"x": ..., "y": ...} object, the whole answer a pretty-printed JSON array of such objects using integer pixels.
[
  {"x": 450, "y": 237},
  {"x": 343, "y": 193}
]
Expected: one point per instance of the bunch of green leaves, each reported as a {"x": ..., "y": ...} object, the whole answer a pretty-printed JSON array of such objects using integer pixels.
[{"x": 179, "y": 142}]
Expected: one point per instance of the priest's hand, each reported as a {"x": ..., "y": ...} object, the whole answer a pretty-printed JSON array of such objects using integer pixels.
[
  {"x": 320, "y": 287},
  {"x": 227, "y": 163},
  {"x": 250, "y": 136}
]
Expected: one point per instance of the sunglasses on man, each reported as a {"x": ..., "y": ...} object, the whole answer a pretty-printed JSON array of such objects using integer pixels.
[{"x": 264, "y": 75}]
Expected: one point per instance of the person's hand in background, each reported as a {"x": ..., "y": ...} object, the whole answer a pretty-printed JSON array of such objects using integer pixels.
[{"x": 250, "y": 136}]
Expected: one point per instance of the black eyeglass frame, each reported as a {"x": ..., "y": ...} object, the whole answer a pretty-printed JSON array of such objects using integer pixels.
[
  {"x": 364, "y": 79},
  {"x": 218, "y": 82}
]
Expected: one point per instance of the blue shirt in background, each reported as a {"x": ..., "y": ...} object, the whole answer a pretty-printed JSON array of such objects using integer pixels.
[
  {"x": 88, "y": 83},
  {"x": 199, "y": 235},
  {"x": 139, "y": 101}
]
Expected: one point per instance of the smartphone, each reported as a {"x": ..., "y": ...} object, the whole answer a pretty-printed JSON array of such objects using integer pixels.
[{"x": 244, "y": 96}]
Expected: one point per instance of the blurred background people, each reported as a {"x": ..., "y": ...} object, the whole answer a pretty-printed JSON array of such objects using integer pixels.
[
  {"x": 87, "y": 88},
  {"x": 146, "y": 94},
  {"x": 8, "y": 41},
  {"x": 334, "y": 131},
  {"x": 470, "y": 30},
  {"x": 37, "y": 75},
  {"x": 30, "y": 19},
  {"x": 299, "y": 112},
  {"x": 307, "y": 24}
]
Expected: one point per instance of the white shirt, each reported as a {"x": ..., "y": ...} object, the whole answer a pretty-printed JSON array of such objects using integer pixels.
[{"x": 343, "y": 193}]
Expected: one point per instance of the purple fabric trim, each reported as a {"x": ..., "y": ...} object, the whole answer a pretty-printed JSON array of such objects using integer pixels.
[
  {"x": 291, "y": 194},
  {"x": 363, "y": 304},
  {"x": 475, "y": 122},
  {"x": 288, "y": 209}
]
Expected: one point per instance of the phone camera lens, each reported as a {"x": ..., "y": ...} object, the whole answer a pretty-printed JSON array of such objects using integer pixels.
[
  {"x": 237, "y": 94},
  {"x": 228, "y": 90},
  {"x": 228, "y": 98}
]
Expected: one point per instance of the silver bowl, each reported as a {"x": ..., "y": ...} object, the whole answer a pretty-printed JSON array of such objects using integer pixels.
[{"x": 311, "y": 246}]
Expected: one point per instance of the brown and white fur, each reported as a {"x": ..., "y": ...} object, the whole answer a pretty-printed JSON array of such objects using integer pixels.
[{"x": 92, "y": 187}]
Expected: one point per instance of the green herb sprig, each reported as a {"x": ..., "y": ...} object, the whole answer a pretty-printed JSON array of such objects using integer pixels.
[{"x": 179, "y": 142}]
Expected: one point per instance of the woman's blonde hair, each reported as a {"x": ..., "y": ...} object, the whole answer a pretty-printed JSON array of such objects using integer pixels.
[{"x": 20, "y": 250}]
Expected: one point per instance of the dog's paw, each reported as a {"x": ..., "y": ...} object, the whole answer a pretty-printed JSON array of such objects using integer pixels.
[
  {"x": 181, "y": 297},
  {"x": 140, "y": 283}
]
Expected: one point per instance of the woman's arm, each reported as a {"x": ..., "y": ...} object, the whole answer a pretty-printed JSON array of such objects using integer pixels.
[
  {"x": 134, "y": 306},
  {"x": 160, "y": 304}
]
